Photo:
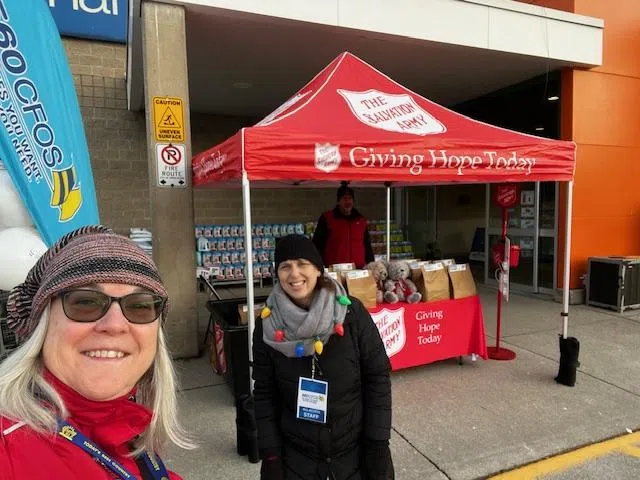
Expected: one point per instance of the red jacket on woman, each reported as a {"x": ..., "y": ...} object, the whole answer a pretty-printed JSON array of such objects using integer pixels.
[{"x": 111, "y": 425}]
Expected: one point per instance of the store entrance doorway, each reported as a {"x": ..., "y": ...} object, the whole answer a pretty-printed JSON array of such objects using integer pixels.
[
  {"x": 532, "y": 226},
  {"x": 463, "y": 223}
]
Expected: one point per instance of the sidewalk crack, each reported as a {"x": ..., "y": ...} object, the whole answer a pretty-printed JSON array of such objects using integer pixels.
[
  {"x": 425, "y": 457},
  {"x": 199, "y": 387}
]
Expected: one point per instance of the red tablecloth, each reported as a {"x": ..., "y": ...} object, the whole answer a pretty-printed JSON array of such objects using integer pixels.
[{"x": 421, "y": 333}]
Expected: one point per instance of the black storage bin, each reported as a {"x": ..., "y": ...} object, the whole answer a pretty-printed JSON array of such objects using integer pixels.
[
  {"x": 236, "y": 342},
  {"x": 614, "y": 282}
]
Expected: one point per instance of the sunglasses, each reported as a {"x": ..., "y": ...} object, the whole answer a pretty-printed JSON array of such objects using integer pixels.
[{"x": 91, "y": 305}]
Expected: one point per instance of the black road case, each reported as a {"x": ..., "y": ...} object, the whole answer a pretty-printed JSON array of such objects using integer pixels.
[{"x": 614, "y": 282}]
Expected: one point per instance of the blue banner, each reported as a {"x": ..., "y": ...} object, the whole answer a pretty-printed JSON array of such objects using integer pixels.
[
  {"x": 93, "y": 19},
  {"x": 42, "y": 142}
]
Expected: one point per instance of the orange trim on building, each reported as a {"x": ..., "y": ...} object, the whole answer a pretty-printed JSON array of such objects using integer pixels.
[
  {"x": 600, "y": 112},
  {"x": 565, "y": 5}
]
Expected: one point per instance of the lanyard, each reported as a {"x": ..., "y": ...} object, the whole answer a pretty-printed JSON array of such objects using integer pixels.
[
  {"x": 315, "y": 361},
  {"x": 155, "y": 466},
  {"x": 152, "y": 462}
]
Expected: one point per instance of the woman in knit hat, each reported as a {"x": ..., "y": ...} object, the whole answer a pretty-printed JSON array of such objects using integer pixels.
[
  {"x": 91, "y": 391},
  {"x": 322, "y": 388}
]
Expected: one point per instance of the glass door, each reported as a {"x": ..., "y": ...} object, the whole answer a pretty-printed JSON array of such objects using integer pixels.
[
  {"x": 521, "y": 229},
  {"x": 532, "y": 226},
  {"x": 547, "y": 236},
  {"x": 420, "y": 219}
]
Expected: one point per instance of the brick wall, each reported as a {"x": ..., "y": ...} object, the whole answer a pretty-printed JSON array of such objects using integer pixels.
[
  {"x": 292, "y": 204},
  {"x": 116, "y": 137},
  {"x": 117, "y": 145},
  {"x": 281, "y": 205}
]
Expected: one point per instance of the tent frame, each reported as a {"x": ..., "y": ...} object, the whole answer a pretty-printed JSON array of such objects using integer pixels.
[
  {"x": 248, "y": 241},
  {"x": 228, "y": 163}
]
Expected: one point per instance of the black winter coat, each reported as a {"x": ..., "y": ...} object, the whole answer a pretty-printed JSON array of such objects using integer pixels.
[{"x": 357, "y": 369}]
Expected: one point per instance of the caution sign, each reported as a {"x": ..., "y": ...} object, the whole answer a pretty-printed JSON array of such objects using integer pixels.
[
  {"x": 168, "y": 119},
  {"x": 170, "y": 159}
]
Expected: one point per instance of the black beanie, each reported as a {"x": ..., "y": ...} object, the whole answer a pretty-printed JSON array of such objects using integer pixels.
[
  {"x": 344, "y": 190},
  {"x": 293, "y": 247}
]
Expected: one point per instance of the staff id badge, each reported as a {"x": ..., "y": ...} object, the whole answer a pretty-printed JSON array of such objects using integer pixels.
[{"x": 312, "y": 400}]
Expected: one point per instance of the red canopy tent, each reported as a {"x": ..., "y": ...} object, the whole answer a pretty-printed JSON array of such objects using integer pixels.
[{"x": 353, "y": 122}]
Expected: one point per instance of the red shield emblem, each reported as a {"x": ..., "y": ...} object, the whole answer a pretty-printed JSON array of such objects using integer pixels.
[{"x": 506, "y": 196}]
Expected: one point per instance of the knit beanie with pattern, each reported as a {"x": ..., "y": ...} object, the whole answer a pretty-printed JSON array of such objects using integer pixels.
[{"x": 91, "y": 254}]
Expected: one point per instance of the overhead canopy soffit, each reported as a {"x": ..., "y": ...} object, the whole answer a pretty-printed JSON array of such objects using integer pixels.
[
  {"x": 354, "y": 122},
  {"x": 248, "y": 62}
]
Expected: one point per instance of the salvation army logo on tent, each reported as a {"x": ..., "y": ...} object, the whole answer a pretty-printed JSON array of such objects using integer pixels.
[
  {"x": 327, "y": 157},
  {"x": 390, "y": 324},
  {"x": 392, "y": 112}
]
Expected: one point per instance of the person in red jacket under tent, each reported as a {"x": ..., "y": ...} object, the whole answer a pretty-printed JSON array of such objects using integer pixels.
[
  {"x": 341, "y": 235},
  {"x": 91, "y": 392}
]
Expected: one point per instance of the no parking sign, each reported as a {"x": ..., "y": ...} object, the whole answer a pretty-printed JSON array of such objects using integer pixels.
[{"x": 171, "y": 162}]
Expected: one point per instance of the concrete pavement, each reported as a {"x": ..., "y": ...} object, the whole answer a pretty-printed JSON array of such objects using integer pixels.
[
  {"x": 475, "y": 420},
  {"x": 617, "y": 458}
]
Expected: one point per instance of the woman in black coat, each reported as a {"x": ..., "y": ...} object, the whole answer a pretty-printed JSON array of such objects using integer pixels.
[{"x": 312, "y": 330}]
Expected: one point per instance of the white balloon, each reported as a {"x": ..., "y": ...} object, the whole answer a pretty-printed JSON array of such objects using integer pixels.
[
  {"x": 20, "y": 249},
  {"x": 12, "y": 210}
]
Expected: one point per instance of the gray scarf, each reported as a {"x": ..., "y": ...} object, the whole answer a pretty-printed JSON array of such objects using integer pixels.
[{"x": 301, "y": 325}]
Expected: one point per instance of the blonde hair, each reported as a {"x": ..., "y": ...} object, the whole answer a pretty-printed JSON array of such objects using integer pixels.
[{"x": 24, "y": 393}]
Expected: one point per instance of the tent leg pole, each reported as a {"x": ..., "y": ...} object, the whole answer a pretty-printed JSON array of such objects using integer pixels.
[
  {"x": 248, "y": 247},
  {"x": 567, "y": 261},
  {"x": 569, "y": 346},
  {"x": 388, "y": 185}
]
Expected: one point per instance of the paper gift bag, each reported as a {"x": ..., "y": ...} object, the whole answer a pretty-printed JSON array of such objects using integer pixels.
[
  {"x": 341, "y": 269},
  {"x": 243, "y": 311},
  {"x": 435, "y": 282},
  {"x": 447, "y": 261},
  {"x": 416, "y": 270},
  {"x": 362, "y": 285},
  {"x": 333, "y": 275},
  {"x": 462, "y": 281}
]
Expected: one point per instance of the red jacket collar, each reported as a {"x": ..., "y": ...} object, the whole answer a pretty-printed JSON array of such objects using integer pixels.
[{"x": 111, "y": 423}]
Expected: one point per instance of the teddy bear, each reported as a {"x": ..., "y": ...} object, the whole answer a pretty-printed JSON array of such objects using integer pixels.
[
  {"x": 399, "y": 287},
  {"x": 379, "y": 273}
]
